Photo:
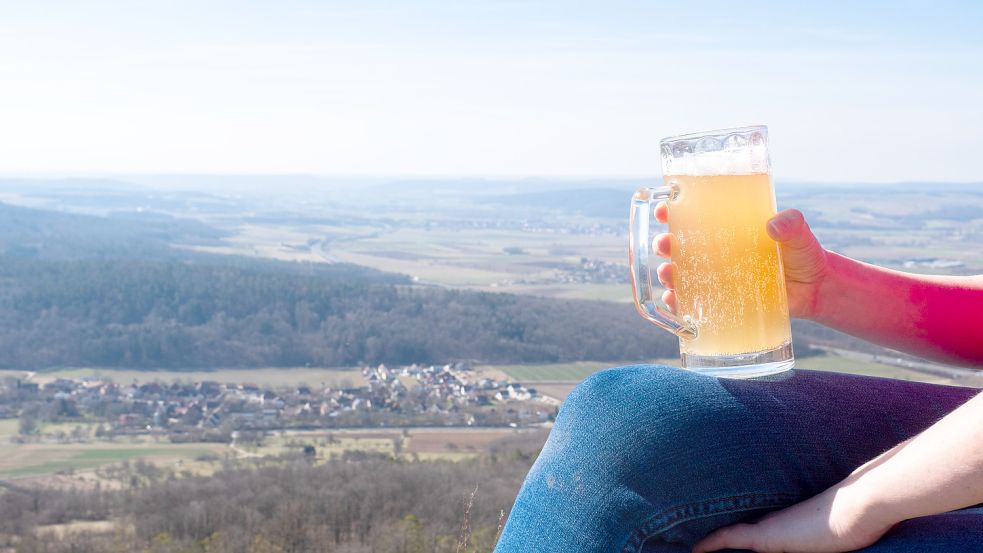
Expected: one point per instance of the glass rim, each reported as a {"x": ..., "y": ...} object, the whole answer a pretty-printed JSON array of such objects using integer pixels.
[{"x": 715, "y": 132}]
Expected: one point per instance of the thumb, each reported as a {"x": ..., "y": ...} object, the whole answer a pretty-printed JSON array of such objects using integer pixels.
[
  {"x": 803, "y": 257},
  {"x": 789, "y": 227},
  {"x": 738, "y": 536}
]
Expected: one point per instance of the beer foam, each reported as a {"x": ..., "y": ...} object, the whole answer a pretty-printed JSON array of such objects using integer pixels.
[
  {"x": 745, "y": 161},
  {"x": 742, "y": 151}
]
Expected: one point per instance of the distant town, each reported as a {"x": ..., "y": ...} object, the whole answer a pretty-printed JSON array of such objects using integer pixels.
[
  {"x": 587, "y": 271},
  {"x": 414, "y": 395}
]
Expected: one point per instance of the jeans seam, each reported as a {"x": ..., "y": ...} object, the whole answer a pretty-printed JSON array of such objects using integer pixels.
[{"x": 673, "y": 516}]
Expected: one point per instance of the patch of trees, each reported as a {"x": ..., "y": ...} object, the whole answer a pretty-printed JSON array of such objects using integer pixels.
[{"x": 212, "y": 311}]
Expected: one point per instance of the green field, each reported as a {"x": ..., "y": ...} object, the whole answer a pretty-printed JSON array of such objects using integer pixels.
[
  {"x": 461, "y": 257},
  {"x": 277, "y": 445},
  {"x": 834, "y": 363},
  {"x": 267, "y": 377},
  {"x": 43, "y": 459},
  {"x": 8, "y": 429},
  {"x": 46, "y": 459}
]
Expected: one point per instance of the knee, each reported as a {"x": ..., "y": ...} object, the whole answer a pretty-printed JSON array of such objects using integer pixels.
[
  {"x": 619, "y": 396},
  {"x": 626, "y": 407}
]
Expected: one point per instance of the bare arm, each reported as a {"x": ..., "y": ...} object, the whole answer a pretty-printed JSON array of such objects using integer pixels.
[
  {"x": 936, "y": 317},
  {"x": 906, "y": 482},
  {"x": 939, "y": 470}
]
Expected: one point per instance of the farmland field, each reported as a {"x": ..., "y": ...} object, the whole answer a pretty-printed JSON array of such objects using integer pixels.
[
  {"x": 450, "y": 238},
  {"x": 23, "y": 460},
  {"x": 835, "y": 363},
  {"x": 471, "y": 258},
  {"x": 75, "y": 463}
]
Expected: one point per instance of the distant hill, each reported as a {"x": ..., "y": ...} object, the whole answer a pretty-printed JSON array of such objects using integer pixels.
[
  {"x": 591, "y": 202},
  {"x": 110, "y": 291},
  {"x": 43, "y": 234}
]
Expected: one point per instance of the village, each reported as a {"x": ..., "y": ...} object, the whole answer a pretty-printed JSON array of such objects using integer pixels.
[
  {"x": 587, "y": 271},
  {"x": 414, "y": 395}
]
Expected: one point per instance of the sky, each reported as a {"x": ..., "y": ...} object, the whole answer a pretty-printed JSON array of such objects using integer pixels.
[{"x": 853, "y": 91}]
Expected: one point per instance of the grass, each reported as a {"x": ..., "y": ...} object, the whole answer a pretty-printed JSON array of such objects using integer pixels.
[
  {"x": 44, "y": 459},
  {"x": 88, "y": 428},
  {"x": 834, "y": 363},
  {"x": 8, "y": 429},
  {"x": 277, "y": 444}
]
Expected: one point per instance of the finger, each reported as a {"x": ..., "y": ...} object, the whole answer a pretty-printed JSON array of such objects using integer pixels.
[
  {"x": 662, "y": 212},
  {"x": 804, "y": 257},
  {"x": 664, "y": 272},
  {"x": 662, "y": 245},
  {"x": 669, "y": 298},
  {"x": 738, "y": 536},
  {"x": 790, "y": 228}
]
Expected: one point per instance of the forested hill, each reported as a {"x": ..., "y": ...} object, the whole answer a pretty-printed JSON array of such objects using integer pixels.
[
  {"x": 42, "y": 234},
  {"x": 210, "y": 313},
  {"x": 82, "y": 290}
]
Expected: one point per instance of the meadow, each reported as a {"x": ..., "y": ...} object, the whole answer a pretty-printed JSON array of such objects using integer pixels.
[
  {"x": 459, "y": 257},
  {"x": 78, "y": 463}
]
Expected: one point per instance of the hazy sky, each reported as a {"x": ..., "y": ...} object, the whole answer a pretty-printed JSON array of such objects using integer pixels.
[{"x": 871, "y": 91}]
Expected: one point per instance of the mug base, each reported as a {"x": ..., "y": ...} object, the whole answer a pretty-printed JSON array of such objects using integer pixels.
[{"x": 744, "y": 365}]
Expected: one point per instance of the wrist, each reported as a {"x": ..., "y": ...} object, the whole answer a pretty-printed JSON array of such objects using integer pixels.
[
  {"x": 821, "y": 291},
  {"x": 872, "y": 505},
  {"x": 830, "y": 288}
]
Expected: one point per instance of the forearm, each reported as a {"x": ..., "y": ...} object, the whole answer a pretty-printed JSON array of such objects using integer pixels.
[
  {"x": 939, "y": 470},
  {"x": 936, "y": 317}
]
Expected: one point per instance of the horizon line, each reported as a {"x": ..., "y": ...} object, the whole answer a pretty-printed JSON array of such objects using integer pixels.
[{"x": 89, "y": 175}]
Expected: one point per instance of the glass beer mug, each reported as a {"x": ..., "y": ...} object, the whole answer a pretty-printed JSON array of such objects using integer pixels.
[{"x": 731, "y": 309}]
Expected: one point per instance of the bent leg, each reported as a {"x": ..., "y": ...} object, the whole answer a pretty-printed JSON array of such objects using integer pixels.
[{"x": 651, "y": 458}]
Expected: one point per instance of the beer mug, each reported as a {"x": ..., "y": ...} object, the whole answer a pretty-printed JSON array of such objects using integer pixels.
[{"x": 731, "y": 313}]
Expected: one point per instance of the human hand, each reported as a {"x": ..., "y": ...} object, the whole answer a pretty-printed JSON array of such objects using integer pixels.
[
  {"x": 834, "y": 521},
  {"x": 803, "y": 258}
]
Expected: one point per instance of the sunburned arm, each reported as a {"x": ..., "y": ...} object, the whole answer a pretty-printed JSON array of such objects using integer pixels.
[{"x": 936, "y": 317}]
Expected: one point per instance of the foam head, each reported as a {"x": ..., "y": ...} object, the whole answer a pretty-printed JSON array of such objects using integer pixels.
[{"x": 741, "y": 151}]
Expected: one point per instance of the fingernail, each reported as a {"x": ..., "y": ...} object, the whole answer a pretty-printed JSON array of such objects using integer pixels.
[
  {"x": 775, "y": 226},
  {"x": 780, "y": 223}
]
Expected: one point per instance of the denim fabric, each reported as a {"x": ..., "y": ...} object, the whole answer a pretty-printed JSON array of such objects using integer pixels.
[{"x": 649, "y": 458}]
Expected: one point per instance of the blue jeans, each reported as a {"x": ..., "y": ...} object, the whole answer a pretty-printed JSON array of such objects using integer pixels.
[{"x": 650, "y": 459}]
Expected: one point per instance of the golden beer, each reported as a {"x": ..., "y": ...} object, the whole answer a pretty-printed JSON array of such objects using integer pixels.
[
  {"x": 731, "y": 309},
  {"x": 727, "y": 272}
]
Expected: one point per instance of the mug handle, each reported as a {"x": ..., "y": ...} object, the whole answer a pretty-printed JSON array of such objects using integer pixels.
[{"x": 642, "y": 206}]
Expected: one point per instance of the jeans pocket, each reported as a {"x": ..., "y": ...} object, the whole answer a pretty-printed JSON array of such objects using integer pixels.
[{"x": 684, "y": 525}]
